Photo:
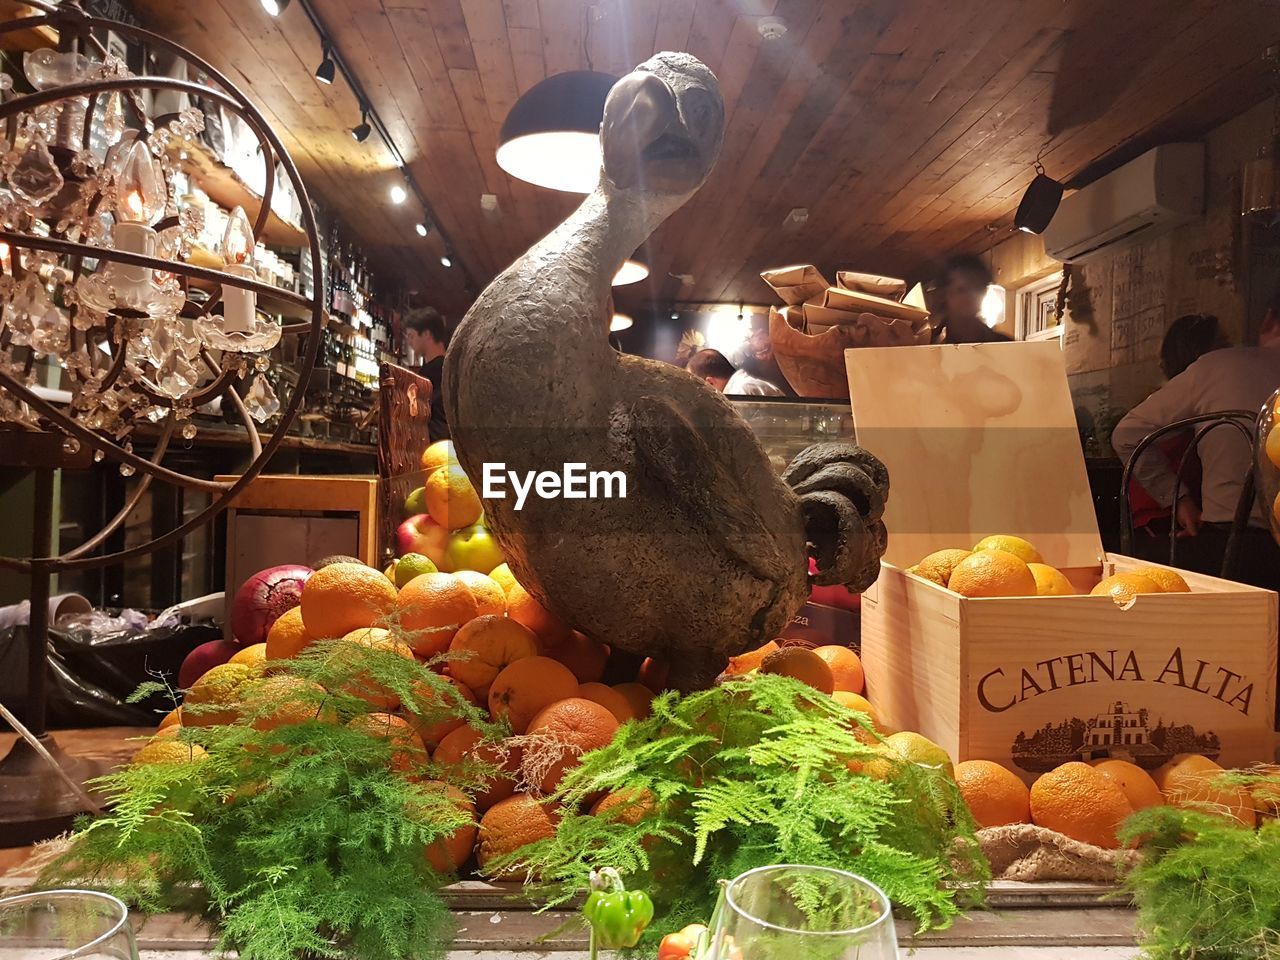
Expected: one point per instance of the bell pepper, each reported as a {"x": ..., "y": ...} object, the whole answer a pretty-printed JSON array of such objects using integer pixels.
[
  {"x": 617, "y": 916},
  {"x": 681, "y": 944}
]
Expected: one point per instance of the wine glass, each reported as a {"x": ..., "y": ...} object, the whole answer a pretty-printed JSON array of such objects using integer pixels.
[
  {"x": 786, "y": 912},
  {"x": 65, "y": 924}
]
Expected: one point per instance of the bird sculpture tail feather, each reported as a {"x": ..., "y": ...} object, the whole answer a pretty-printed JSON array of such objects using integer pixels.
[{"x": 842, "y": 490}]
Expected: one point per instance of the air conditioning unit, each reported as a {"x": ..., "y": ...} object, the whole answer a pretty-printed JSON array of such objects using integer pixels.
[{"x": 1147, "y": 196}]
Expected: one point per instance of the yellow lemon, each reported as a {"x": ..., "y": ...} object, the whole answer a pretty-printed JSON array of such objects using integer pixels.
[{"x": 1020, "y": 548}]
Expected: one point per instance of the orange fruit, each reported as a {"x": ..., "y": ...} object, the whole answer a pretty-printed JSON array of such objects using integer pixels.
[
  {"x": 1124, "y": 588},
  {"x": 575, "y": 726},
  {"x": 855, "y": 701},
  {"x": 994, "y": 796},
  {"x": 487, "y": 592},
  {"x": 507, "y": 826},
  {"x": 170, "y": 751},
  {"x": 1078, "y": 801},
  {"x": 751, "y": 660},
  {"x": 846, "y": 667},
  {"x": 432, "y": 609},
  {"x": 1005, "y": 543},
  {"x": 801, "y": 664},
  {"x": 653, "y": 674},
  {"x": 171, "y": 719},
  {"x": 484, "y": 646},
  {"x": 364, "y": 687},
  {"x": 216, "y": 696},
  {"x": 1273, "y": 444},
  {"x": 582, "y": 655},
  {"x": 523, "y": 607},
  {"x": 1170, "y": 581},
  {"x": 638, "y": 695},
  {"x": 1133, "y": 780},
  {"x": 1050, "y": 581},
  {"x": 449, "y": 853},
  {"x": 467, "y": 743},
  {"x": 992, "y": 573},
  {"x": 452, "y": 501},
  {"x": 172, "y": 732},
  {"x": 287, "y": 635},
  {"x": 439, "y": 454},
  {"x": 611, "y": 699},
  {"x": 503, "y": 577},
  {"x": 343, "y": 597},
  {"x": 408, "y": 753},
  {"x": 1187, "y": 780},
  {"x": 939, "y": 565},
  {"x": 524, "y": 687},
  {"x": 625, "y": 805},
  {"x": 282, "y": 700},
  {"x": 432, "y": 732},
  {"x": 254, "y": 655}
]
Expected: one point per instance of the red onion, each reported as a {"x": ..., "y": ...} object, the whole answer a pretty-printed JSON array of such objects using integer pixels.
[{"x": 262, "y": 598}]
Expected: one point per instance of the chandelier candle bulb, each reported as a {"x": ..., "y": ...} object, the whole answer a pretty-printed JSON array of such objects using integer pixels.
[{"x": 239, "y": 306}]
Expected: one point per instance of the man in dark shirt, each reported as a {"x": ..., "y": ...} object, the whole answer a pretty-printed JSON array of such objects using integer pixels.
[
  {"x": 963, "y": 284},
  {"x": 424, "y": 334}
]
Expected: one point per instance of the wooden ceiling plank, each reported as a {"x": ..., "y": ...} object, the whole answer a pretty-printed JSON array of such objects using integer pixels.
[
  {"x": 675, "y": 18},
  {"x": 563, "y": 26},
  {"x": 450, "y": 25}
]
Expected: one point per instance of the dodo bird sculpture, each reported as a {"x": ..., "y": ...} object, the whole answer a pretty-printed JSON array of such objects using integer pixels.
[{"x": 707, "y": 555}]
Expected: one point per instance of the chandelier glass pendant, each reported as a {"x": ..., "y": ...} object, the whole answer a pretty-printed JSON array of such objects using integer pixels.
[
  {"x": 97, "y": 297},
  {"x": 551, "y": 137}
]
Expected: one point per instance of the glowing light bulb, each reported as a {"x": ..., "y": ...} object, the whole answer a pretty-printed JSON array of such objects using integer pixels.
[
  {"x": 992, "y": 310},
  {"x": 398, "y": 194},
  {"x": 237, "y": 238}
]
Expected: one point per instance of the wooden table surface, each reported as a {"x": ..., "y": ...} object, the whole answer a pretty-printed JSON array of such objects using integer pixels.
[{"x": 1025, "y": 921}]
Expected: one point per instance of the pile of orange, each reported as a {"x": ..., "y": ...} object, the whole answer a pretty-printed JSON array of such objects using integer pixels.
[
  {"x": 1089, "y": 801},
  {"x": 1007, "y": 566}
]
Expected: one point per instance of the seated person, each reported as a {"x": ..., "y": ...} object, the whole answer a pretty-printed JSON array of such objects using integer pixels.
[
  {"x": 1232, "y": 378},
  {"x": 715, "y": 368}
]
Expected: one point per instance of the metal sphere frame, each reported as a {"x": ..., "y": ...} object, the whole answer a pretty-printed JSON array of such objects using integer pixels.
[{"x": 76, "y": 21}]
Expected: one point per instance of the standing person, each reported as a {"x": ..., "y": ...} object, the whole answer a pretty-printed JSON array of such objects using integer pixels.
[
  {"x": 1234, "y": 378},
  {"x": 714, "y": 367},
  {"x": 1188, "y": 339},
  {"x": 426, "y": 337},
  {"x": 962, "y": 286}
]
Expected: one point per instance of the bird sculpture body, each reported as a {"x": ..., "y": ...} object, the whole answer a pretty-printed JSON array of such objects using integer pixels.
[{"x": 708, "y": 552}]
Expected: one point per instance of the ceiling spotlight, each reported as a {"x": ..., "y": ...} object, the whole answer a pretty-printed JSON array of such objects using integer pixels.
[
  {"x": 551, "y": 137},
  {"x": 675, "y": 314},
  {"x": 446, "y": 261},
  {"x": 1039, "y": 203},
  {"x": 360, "y": 132},
  {"x": 398, "y": 194},
  {"x": 631, "y": 271},
  {"x": 275, "y": 7},
  {"x": 620, "y": 321},
  {"x": 327, "y": 69},
  {"x": 421, "y": 228}
]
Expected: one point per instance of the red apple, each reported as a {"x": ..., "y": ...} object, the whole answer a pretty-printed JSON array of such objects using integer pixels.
[{"x": 421, "y": 534}]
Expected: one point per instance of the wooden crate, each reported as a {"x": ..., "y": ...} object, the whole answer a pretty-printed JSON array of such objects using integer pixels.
[{"x": 981, "y": 439}]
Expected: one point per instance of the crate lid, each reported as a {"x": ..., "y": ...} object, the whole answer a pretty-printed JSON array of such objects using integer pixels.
[{"x": 978, "y": 439}]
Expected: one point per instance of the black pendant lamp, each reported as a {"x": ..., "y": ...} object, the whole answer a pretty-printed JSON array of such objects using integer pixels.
[{"x": 551, "y": 137}]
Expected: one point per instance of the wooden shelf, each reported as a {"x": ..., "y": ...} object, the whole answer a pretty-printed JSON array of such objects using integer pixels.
[{"x": 227, "y": 190}]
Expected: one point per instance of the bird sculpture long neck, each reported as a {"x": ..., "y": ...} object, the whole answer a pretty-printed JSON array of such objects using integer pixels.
[{"x": 592, "y": 244}]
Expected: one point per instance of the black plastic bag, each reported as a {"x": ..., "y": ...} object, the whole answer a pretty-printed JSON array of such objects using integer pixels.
[{"x": 90, "y": 678}]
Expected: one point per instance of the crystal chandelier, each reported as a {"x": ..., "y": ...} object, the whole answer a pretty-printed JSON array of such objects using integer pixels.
[{"x": 95, "y": 283}]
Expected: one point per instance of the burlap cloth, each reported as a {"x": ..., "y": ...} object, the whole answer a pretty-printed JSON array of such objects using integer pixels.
[{"x": 1029, "y": 853}]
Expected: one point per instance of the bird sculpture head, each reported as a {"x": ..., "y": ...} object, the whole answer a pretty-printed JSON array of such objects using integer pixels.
[{"x": 663, "y": 126}]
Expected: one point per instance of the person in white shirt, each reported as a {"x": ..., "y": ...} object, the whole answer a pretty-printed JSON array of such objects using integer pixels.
[
  {"x": 714, "y": 367},
  {"x": 1233, "y": 378}
]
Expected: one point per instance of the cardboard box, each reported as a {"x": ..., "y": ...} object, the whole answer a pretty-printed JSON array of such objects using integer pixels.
[{"x": 981, "y": 439}]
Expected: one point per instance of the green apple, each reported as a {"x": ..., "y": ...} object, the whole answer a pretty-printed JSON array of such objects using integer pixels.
[
  {"x": 472, "y": 548},
  {"x": 416, "y": 502}
]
